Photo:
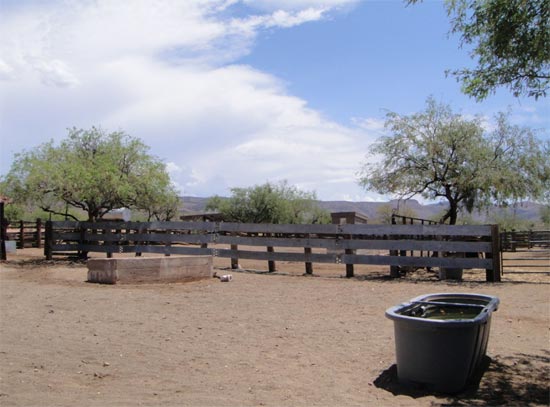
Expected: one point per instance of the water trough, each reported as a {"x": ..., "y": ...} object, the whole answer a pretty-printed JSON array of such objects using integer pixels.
[{"x": 149, "y": 269}]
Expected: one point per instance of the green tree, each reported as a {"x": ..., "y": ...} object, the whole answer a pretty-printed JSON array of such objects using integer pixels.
[
  {"x": 510, "y": 42},
  {"x": 92, "y": 171},
  {"x": 441, "y": 155},
  {"x": 156, "y": 197},
  {"x": 269, "y": 203}
]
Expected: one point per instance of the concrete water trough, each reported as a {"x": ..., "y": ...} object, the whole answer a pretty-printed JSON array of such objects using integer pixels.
[{"x": 149, "y": 269}]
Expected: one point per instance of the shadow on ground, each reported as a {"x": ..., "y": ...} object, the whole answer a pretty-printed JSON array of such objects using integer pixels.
[{"x": 518, "y": 380}]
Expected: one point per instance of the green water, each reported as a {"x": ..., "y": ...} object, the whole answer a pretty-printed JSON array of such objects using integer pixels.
[
  {"x": 470, "y": 314},
  {"x": 444, "y": 312}
]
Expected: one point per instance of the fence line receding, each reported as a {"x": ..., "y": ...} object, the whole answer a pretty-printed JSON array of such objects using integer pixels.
[{"x": 398, "y": 246}]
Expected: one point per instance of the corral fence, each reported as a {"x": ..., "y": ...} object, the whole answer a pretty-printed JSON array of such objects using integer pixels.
[
  {"x": 26, "y": 234},
  {"x": 528, "y": 249},
  {"x": 410, "y": 220},
  {"x": 346, "y": 244}
]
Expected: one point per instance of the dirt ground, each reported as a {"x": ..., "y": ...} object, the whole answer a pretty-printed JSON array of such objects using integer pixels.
[{"x": 262, "y": 339}]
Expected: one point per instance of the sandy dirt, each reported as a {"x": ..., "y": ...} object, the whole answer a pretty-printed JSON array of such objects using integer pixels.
[{"x": 259, "y": 340}]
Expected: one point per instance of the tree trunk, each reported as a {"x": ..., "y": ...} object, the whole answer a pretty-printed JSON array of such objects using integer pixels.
[{"x": 451, "y": 214}]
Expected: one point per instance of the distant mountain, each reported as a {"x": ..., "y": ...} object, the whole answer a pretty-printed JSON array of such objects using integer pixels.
[
  {"x": 526, "y": 211},
  {"x": 193, "y": 204}
]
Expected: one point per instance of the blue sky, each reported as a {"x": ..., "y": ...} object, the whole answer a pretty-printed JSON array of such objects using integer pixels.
[{"x": 232, "y": 93}]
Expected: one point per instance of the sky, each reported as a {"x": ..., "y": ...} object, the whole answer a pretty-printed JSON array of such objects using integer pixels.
[{"x": 234, "y": 93}]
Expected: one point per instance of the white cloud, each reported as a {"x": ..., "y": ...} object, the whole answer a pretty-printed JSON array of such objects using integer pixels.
[
  {"x": 6, "y": 71},
  {"x": 165, "y": 71},
  {"x": 279, "y": 18},
  {"x": 56, "y": 73},
  {"x": 370, "y": 124},
  {"x": 297, "y": 4},
  {"x": 173, "y": 168}
]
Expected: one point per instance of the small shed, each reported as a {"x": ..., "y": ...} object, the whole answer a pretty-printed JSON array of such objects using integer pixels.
[
  {"x": 120, "y": 214},
  {"x": 342, "y": 218},
  {"x": 202, "y": 217}
]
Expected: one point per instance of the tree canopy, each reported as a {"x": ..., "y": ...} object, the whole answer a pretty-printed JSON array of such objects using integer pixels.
[
  {"x": 511, "y": 45},
  {"x": 94, "y": 172},
  {"x": 269, "y": 203},
  {"x": 441, "y": 155}
]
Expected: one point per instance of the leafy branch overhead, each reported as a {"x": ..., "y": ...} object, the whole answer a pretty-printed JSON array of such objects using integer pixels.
[
  {"x": 510, "y": 42},
  {"x": 441, "y": 155}
]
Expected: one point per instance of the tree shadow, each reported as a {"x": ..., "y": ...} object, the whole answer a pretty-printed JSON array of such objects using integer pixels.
[{"x": 517, "y": 380}]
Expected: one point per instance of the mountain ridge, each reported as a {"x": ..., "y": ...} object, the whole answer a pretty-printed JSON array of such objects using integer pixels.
[{"x": 528, "y": 211}]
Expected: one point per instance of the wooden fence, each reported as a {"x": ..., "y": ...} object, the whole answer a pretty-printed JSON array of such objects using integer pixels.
[
  {"x": 339, "y": 244},
  {"x": 512, "y": 240},
  {"x": 409, "y": 220},
  {"x": 26, "y": 234},
  {"x": 528, "y": 250}
]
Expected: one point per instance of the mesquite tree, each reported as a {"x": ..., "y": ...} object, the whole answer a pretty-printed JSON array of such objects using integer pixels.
[
  {"x": 442, "y": 155},
  {"x": 270, "y": 203},
  {"x": 94, "y": 172}
]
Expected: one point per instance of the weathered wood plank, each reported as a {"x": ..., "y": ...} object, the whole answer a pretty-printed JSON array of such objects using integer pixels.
[
  {"x": 60, "y": 235},
  {"x": 65, "y": 247},
  {"x": 469, "y": 263},
  {"x": 276, "y": 228},
  {"x": 204, "y": 226},
  {"x": 360, "y": 229},
  {"x": 152, "y": 237},
  {"x": 369, "y": 244},
  {"x": 417, "y": 230},
  {"x": 137, "y": 249},
  {"x": 349, "y": 229},
  {"x": 294, "y": 257}
]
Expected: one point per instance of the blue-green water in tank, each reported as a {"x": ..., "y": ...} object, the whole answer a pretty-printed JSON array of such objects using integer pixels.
[{"x": 442, "y": 312}]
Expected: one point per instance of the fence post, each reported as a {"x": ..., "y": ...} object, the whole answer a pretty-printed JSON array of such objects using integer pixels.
[
  {"x": 82, "y": 254},
  {"x": 235, "y": 259},
  {"x": 48, "y": 240},
  {"x": 493, "y": 274},
  {"x": 137, "y": 242},
  {"x": 39, "y": 233},
  {"x": 349, "y": 266},
  {"x": 403, "y": 252},
  {"x": 21, "y": 234},
  {"x": 270, "y": 249},
  {"x": 168, "y": 244},
  {"x": 309, "y": 265},
  {"x": 3, "y": 232},
  {"x": 394, "y": 270},
  {"x": 271, "y": 263},
  {"x": 108, "y": 243}
]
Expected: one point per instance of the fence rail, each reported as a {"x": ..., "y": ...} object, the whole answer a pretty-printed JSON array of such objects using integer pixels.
[
  {"x": 528, "y": 250},
  {"x": 26, "y": 234},
  {"x": 397, "y": 219},
  {"x": 512, "y": 240},
  {"x": 398, "y": 246}
]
